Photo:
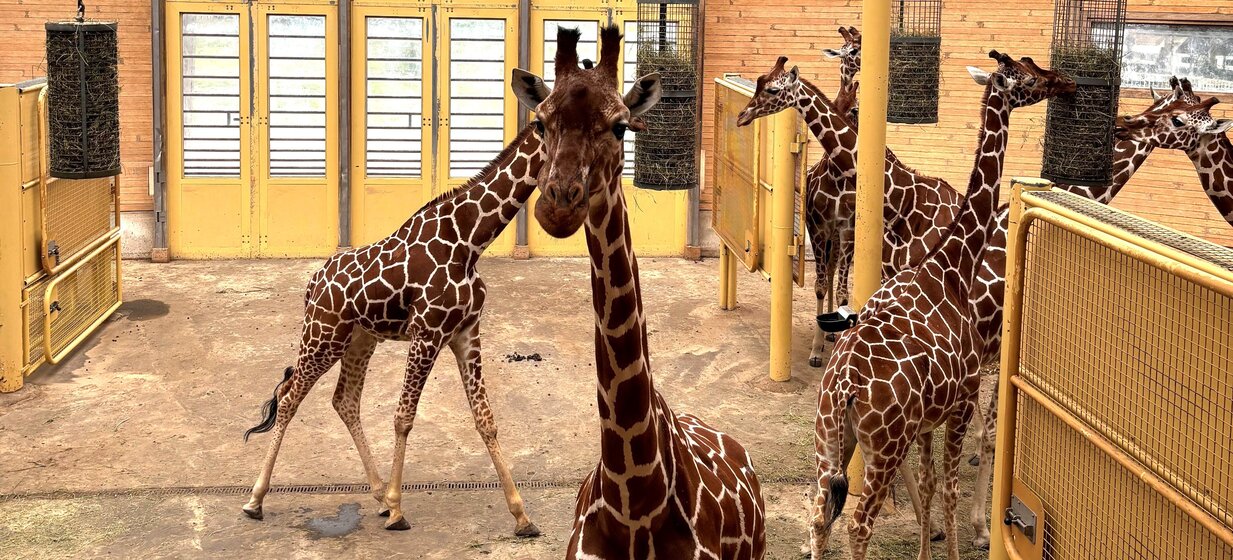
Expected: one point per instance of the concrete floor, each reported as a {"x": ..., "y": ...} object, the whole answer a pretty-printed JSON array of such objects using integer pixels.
[{"x": 132, "y": 447}]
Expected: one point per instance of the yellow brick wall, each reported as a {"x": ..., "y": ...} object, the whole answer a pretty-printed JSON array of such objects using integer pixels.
[
  {"x": 21, "y": 26},
  {"x": 746, "y": 36}
]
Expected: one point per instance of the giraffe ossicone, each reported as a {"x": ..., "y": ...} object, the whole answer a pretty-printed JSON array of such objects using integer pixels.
[{"x": 667, "y": 485}]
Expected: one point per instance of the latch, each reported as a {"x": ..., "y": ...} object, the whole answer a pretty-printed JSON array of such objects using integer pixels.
[
  {"x": 53, "y": 251},
  {"x": 798, "y": 144},
  {"x": 1019, "y": 516},
  {"x": 54, "y": 307}
]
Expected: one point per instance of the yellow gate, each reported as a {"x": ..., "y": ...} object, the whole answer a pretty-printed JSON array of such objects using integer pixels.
[
  {"x": 252, "y": 153},
  {"x": 1115, "y": 429}
]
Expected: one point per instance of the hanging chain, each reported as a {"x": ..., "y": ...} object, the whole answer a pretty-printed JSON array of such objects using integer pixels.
[{"x": 81, "y": 10}]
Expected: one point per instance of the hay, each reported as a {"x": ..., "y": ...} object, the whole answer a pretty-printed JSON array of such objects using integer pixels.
[
  {"x": 83, "y": 100},
  {"x": 677, "y": 71},
  {"x": 915, "y": 71},
  {"x": 1078, "y": 141},
  {"x": 665, "y": 153}
]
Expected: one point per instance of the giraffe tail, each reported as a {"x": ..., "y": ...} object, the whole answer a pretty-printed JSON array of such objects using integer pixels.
[{"x": 269, "y": 410}]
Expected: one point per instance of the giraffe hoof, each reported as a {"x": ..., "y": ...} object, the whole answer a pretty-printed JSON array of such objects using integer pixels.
[
  {"x": 815, "y": 362},
  {"x": 254, "y": 512},
  {"x": 529, "y": 531},
  {"x": 974, "y": 461},
  {"x": 399, "y": 524},
  {"x": 938, "y": 536},
  {"x": 981, "y": 543}
]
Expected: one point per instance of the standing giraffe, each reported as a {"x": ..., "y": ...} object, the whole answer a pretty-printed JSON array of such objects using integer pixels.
[
  {"x": 911, "y": 363},
  {"x": 1190, "y": 127},
  {"x": 420, "y": 285},
  {"x": 666, "y": 486},
  {"x": 917, "y": 207},
  {"x": 849, "y": 56}
]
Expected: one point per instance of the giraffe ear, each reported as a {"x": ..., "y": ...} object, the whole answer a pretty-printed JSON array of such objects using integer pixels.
[
  {"x": 831, "y": 53},
  {"x": 979, "y": 75},
  {"x": 795, "y": 73},
  {"x": 644, "y": 95},
  {"x": 1156, "y": 97},
  {"x": 1222, "y": 126},
  {"x": 529, "y": 88}
]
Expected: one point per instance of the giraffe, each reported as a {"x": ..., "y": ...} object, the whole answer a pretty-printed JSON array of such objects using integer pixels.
[
  {"x": 849, "y": 56},
  {"x": 420, "y": 285},
  {"x": 910, "y": 364},
  {"x": 1191, "y": 128},
  {"x": 667, "y": 485},
  {"x": 917, "y": 207}
]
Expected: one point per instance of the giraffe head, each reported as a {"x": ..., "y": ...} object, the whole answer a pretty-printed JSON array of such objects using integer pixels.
[
  {"x": 1181, "y": 90},
  {"x": 1022, "y": 82},
  {"x": 1176, "y": 126},
  {"x": 849, "y": 54},
  {"x": 776, "y": 90},
  {"x": 582, "y": 121}
]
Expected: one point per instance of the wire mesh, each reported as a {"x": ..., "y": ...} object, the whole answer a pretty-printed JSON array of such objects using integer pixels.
[
  {"x": 86, "y": 294},
  {"x": 915, "y": 61},
  {"x": 665, "y": 155},
  {"x": 78, "y": 213},
  {"x": 33, "y": 312},
  {"x": 83, "y": 99},
  {"x": 1140, "y": 356},
  {"x": 1087, "y": 46},
  {"x": 736, "y": 186}
]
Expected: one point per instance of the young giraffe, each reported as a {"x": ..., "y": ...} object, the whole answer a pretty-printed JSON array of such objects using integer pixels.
[
  {"x": 849, "y": 56},
  {"x": 917, "y": 206},
  {"x": 420, "y": 284},
  {"x": 666, "y": 486},
  {"x": 910, "y": 365},
  {"x": 1190, "y": 127}
]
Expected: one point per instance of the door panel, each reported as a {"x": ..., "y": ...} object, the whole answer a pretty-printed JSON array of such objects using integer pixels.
[
  {"x": 208, "y": 156},
  {"x": 391, "y": 168},
  {"x": 297, "y": 118}
]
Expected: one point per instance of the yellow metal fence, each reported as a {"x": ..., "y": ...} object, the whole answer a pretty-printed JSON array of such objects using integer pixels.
[{"x": 1116, "y": 420}]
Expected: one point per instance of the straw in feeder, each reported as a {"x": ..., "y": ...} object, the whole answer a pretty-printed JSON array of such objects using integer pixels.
[
  {"x": 665, "y": 155},
  {"x": 1087, "y": 47},
  {"x": 83, "y": 98},
  {"x": 915, "y": 61}
]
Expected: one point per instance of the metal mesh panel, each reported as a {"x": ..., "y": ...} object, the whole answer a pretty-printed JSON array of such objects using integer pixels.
[
  {"x": 33, "y": 312},
  {"x": 1140, "y": 356},
  {"x": 85, "y": 295},
  {"x": 665, "y": 155},
  {"x": 915, "y": 61},
  {"x": 83, "y": 99},
  {"x": 78, "y": 213},
  {"x": 736, "y": 186},
  {"x": 1087, "y": 46}
]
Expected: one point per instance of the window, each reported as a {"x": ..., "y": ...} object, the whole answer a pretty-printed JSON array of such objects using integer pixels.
[
  {"x": 210, "y": 67},
  {"x": 297, "y": 96},
  {"x": 1152, "y": 52},
  {"x": 395, "y": 97},
  {"x": 477, "y": 94}
]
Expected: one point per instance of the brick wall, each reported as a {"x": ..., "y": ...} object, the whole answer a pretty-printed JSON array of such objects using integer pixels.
[
  {"x": 21, "y": 25},
  {"x": 746, "y": 36}
]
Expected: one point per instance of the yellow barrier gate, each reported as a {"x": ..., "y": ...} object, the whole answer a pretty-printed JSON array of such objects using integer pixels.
[
  {"x": 1115, "y": 429},
  {"x": 759, "y": 207},
  {"x": 59, "y": 245}
]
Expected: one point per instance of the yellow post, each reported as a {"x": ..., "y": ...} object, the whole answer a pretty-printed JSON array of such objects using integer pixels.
[
  {"x": 1002, "y": 475},
  {"x": 11, "y": 352},
  {"x": 725, "y": 256},
  {"x": 783, "y": 193},
  {"x": 870, "y": 173}
]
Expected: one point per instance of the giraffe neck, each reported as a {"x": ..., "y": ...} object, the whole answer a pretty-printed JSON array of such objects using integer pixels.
[
  {"x": 1213, "y": 159},
  {"x": 634, "y": 460},
  {"x": 489, "y": 201},
  {"x": 825, "y": 121},
  {"x": 845, "y": 99},
  {"x": 1128, "y": 156},
  {"x": 962, "y": 250}
]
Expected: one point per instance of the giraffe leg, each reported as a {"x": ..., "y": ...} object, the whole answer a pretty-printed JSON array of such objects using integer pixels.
[
  {"x": 925, "y": 442},
  {"x": 347, "y": 403},
  {"x": 420, "y": 358},
  {"x": 823, "y": 288},
  {"x": 956, "y": 429},
  {"x": 879, "y": 473},
  {"x": 315, "y": 359},
  {"x": 466, "y": 347},
  {"x": 988, "y": 425},
  {"x": 981, "y": 494}
]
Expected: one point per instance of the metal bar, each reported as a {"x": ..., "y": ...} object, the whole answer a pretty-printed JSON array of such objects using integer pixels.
[
  {"x": 54, "y": 358},
  {"x": 870, "y": 168},
  {"x": 521, "y": 232},
  {"x": 783, "y": 199}
]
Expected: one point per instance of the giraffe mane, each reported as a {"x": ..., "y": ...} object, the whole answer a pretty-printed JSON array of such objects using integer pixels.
[{"x": 479, "y": 177}]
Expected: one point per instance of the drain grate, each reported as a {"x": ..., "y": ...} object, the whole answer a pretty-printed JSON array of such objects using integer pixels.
[{"x": 338, "y": 488}]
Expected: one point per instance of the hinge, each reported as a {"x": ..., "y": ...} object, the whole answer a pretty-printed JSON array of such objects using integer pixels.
[
  {"x": 798, "y": 144},
  {"x": 53, "y": 250}
]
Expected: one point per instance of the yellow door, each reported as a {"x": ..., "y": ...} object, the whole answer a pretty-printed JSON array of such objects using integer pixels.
[
  {"x": 477, "y": 49},
  {"x": 297, "y": 129},
  {"x": 391, "y": 100},
  {"x": 208, "y": 129}
]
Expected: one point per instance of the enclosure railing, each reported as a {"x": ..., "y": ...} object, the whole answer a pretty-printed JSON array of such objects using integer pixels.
[
  {"x": 1115, "y": 426},
  {"x": 59, "y": 245},
  {"x": 759, "y": 190}
]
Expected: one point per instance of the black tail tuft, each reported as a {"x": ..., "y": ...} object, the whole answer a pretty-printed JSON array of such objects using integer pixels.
[
  {"x": 269, "y": 411},
  {"x": 839, "y": 494}
]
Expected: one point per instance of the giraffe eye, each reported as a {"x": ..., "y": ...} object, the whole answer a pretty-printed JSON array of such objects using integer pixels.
[
  {"x": 539, "y": 126},
  {"x": 1177, "y": 122},
  {"x": 619, "y": 129},
  {"x": 772, "y": 90}
]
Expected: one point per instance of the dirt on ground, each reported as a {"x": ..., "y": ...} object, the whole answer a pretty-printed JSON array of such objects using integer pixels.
[{"x": 132, "y": 446}]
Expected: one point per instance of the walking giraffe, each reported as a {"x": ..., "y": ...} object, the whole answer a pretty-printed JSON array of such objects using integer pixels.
[
  {"x": 666, "y": 486},
  {"x": 420, "y": 285},
  {"x": 911, "y": 363},
  {"x": 917, "y": 207}
]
